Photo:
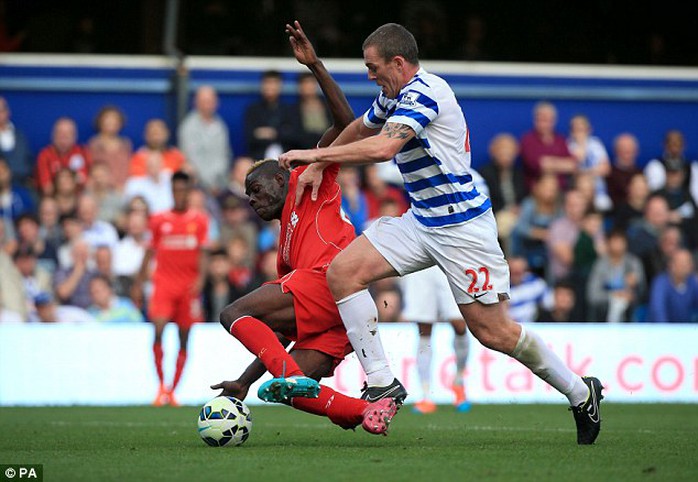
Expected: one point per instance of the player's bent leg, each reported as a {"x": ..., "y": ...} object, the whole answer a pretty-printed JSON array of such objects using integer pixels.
[
  {"x": 243, "y": 320},
  {"x": 491, "y": 325},
  {"x": 268, "y": 304},
  {"x": 348, "y": 277}
]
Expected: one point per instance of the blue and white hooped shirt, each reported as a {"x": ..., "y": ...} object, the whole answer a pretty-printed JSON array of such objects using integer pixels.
[{"x": 435, "y": 165}]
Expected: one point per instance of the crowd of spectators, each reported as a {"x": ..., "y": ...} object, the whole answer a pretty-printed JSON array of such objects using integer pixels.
[{"x": 590, "y": 235}]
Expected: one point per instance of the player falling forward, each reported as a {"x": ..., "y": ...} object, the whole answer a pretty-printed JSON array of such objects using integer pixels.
[
  {"x": 299, "y": 304},
  {"x": 416, "y": 119},
  {"x": 428, "y": 300},
  {"x": 178, "y": 239}
]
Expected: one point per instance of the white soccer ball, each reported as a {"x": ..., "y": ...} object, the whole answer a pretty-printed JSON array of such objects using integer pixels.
[{"x": 225, "y": 422}]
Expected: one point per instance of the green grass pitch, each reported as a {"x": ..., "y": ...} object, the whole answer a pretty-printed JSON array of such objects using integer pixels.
[{"x": 492, "y": 442}]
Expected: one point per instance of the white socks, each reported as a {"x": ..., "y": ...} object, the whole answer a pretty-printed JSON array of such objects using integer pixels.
[
  {"x": 461, "y": 347},
  {"x": 424, "y": 365},
  {"x": 360, "y": 317},
  {"x": 541, "y": 360}
]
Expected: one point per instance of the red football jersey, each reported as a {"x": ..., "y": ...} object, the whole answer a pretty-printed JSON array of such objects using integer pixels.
[
  {"x": 313, "y": 233},
  {"x": 177, "y": 238}
]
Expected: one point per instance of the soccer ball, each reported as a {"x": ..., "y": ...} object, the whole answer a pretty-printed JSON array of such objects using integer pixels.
[{"x": 225, "y": 422}]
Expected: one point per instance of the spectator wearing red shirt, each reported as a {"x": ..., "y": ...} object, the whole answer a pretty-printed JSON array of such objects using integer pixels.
[
  {"x": 63, "y": 152},
  {"x": 544, "y": 151}
]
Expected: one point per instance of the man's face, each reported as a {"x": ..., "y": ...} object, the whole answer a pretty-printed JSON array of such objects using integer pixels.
[
  {"x": 180, "y": 194},
  {"x": 101, "y": 293},
  {"x": 384, "y": 74},
  {"x": 64, "y": 135},
  {"x": 267, "y": 195}
]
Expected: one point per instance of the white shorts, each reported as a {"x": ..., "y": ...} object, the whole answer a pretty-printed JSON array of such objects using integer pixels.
[
  {"x": 427, "y": 297},
  {"x": 469, "y": 254}
]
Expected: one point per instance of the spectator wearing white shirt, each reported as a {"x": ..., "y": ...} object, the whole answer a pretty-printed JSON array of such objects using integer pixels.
[
  {"x": 95, "y": 231},
  {"x": 155, "y": 187}
]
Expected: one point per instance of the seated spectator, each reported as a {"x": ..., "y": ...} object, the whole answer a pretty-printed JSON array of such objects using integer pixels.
[
  {"x": 47, "y": 311},
  {"x": 235, "y": 188},
  {"x": 27, "y": 234},
  {"x": 63, "y": 153},
  {"x": 203, "y": 139},
  {"x": 200, "y": 202},
  {"x": 563, "y": 234},
  {"x": 644, "y": 235},
  {"x": 12, "y": 295},
  {"x": 674, "y": 293},
  {"x": 50, "y": 232},
  {"x": 109, "y": 148},
  {"x": 267, "y": 265},
  {"x": 528, "y": 238},
  {"x": 310, "y": 117},
  {"x": 544, "y": 151},
  {"x": 128, "y": 253},
  {"x": 15, "y": 200},
  {"x": 95, "y": 231},
  {"x": 157, "y": 136},
  {"x": 236, "y": 221},
  {"x": 100, "y": 186},
  {"x": 72, "y": 233},
  {"x": 72, "y": 284},
  {"x": 674, "y": 155},
  {"x": 155, "y": 186},
  {"x": 505, "y": 182},
  {"x": 66, "y": 191},
  {"x": 34, "y": 278},
  {"x": 592, "y": 157},
  {"x": 103, "y": 262},
  {"x": 527, "y": 291},
  {"x": 8, "y": 243},
  {"x": 354, "y": 202},
  {"x": 218, "y": 291},
  {"x": 15, "y": 149},
  {"x": 589, "y": 246},
  {"x": 564, "y": 300},
  {"x": 9, "y": 316},
  {"x": 377, "y": 191},
  {"x": 682, "y": 208},
  {"x": 242, "y": 275},
  {"x": 107, "y": 307},
  {"x": 616, "y": 283},
  {"x": 268, "y": 122},
  {"x": 625, "y": 150},
  {"x": 632, "y": 208}
]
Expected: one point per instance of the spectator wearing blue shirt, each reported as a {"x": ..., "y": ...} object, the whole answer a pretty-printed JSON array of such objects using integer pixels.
[
  {"x": 14, "y": 200},
  {"x": 674, "y": 294},
  {"x": 107, "y": 307}
]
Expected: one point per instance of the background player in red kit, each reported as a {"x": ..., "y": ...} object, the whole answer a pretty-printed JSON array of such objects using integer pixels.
[
  {"x": 178, "y": 240},
  {"x": 299, "y": 305}
]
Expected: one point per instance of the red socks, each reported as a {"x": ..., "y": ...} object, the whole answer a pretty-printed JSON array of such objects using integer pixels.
[
  {"x": 181, "y": 360},
  {"x": 344, "y": 411},
  {"x": 157, "y": 353},
  {"x": 263, "y": 343}
]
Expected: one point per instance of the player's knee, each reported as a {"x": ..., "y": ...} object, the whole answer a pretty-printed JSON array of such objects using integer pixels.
[
  {"x": 341, "y": 278},
  {"x": 229, "y": 314}
]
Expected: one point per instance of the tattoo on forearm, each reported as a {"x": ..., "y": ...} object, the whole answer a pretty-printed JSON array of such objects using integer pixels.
[{"x": 394, "y": 130}]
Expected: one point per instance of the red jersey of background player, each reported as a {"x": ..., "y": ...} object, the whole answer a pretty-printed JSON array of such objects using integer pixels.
[
  {"x": 177, "y": 238},
  {"x": 313, "y": 232}
]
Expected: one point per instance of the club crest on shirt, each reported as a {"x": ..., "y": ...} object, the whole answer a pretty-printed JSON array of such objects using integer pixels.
[{"x": 409, "y": 99}]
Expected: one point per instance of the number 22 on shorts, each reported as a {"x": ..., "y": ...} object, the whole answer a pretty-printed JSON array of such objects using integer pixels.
[{"x": 473, "y": 274}]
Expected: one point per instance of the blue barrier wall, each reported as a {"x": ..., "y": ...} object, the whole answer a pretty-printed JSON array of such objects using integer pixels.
[{"x": 494, "y": 97}]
